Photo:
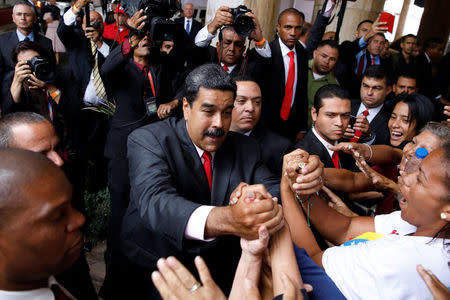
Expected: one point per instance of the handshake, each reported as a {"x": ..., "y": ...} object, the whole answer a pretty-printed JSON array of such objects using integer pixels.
[{"x": 252, "y": 206}]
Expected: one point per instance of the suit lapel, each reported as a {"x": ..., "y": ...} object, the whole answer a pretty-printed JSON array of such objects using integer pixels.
[
  {"x": 278, "y": 66},
  {"x": 197, "y": 172},
  {"x": 319, "y": 149},
  {"x": 223, "y": 162}
]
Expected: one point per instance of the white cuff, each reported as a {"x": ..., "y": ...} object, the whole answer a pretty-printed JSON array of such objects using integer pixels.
[
  {"x": 264, "y": 51},
  {"x": 195, "y": 228},
  {"x": 328, "y": 9},
  {"x": 69, "y": 17},
  {"x": 203, "y": 37}
]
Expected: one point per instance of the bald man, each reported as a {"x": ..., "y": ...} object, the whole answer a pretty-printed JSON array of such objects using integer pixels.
[
  {"x": 39, "y": 229},
  {"x": 33, "y": 132}
]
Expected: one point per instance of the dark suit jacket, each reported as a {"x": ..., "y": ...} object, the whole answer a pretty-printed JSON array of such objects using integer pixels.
[
  {"x": 379, "y": 124},
  {"x": 195, "y": 27},
  {"x": 273, "y": 86},
  {"x": 8, "y": 42},
  {"x": 129, "y": 87},
  {"x": 273, "y": 147},
  {"x": 168, "y": 183},
  {"x": 79, "y": 54},
  {"x": 311, "y": 144}
]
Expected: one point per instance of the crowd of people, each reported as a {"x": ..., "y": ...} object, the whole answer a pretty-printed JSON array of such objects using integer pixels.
[{"x": 289, "y": 168}]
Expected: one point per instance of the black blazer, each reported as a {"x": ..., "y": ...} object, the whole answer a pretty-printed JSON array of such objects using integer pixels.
[
  {"x": 129, "y": 86},
  {"x": 195, "y": 27},
  {"x": 273, "y": 86},
  {"x": 8, "y": 42},
  {"x": 311, "y": 144},
  {"x": 79, "y": 54},
  {"x": 273, "y": 147},
  {"x": 168, "y": 183},
  {"x": 379, "y": 124}
]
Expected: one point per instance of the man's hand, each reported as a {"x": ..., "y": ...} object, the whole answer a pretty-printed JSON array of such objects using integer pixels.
[
  {"x": 137, "y": 20},
  {"x": 22, "y": 71},
  {"x": 303, "y": 171},
  {"x": 36, "y": 83},
  {"x": 447, "y": 112},
  {"x": 175, "y": 282},
  {"x": 79, "y": 5},
  {"x": 349, "y": 132},
  {"x": 256, "y": 34},
  {"x": 255, "y": 208},
  {"x": 222, "y": 17},
  {"x": 362, "y": 124},
  {"x": 92, "y": 33},
  {"x": 377, "y": 27},
  {"x": 164, "y": 110}
]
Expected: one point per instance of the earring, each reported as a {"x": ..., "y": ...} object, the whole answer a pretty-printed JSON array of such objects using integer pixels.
[{"x": 443, "y": 215}]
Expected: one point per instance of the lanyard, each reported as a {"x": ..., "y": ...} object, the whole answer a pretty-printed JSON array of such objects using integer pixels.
[{"x": 150, "y": 77}]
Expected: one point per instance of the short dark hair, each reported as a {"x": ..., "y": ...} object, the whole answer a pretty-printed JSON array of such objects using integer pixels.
[
  {"x": 329, "y": 91},
  {"x": 291, "y": 11},
  {"x": 28, "y": 45},
  {"x": 402, "y": 40},
  {"x": 378, "y": 72},
  {"x": 379, "y": 34},
  {"x": 305, "y": 28},
  {"x": 9, "y": 121},
  {"x": 407, "y": 75},
  {"x": 432, "y": 43},
  {"x": 421, "y": 109},
  {"x": 244, "y": 77},
  {"x": 362, "y": 22},
  {"x": 332, "y": 43},
  {"x": 208, "y": 76}
]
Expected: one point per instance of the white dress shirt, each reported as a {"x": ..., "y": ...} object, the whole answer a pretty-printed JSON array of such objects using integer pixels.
[
  {"x": 324, "y": 143},
  {"x": 90, "y": 96},
  {"x": 372, "y": 111},
  {"x": 230, "y": 69},
  {"x": 195, "y": 228},
  {"x": 37, "y": 294},
  {"x": 284, "y": 53},
  {"x": 203, "y": 39}
]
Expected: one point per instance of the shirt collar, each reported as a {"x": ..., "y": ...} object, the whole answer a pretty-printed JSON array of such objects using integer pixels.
[
  {"x": 427, "y": 57},
  {"x": 230, "y": 68},
  {"x": 284, "y": 49},
  {"x": 324, "y": 143},
  {"x": 201, "y": 151},
  {"x": 44, "y": 293},
  {"x": 21, "y": 36},
  {"x": 301, "y": 43},
  {"x": 372, "y": 111}
]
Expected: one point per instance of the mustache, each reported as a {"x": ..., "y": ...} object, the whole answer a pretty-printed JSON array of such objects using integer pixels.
[{"x": 214, "y": 132}]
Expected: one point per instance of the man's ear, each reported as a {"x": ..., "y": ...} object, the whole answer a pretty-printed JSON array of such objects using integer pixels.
[
  {"x": 186, "y": 108},
  {"x": 313, "y": 114}
]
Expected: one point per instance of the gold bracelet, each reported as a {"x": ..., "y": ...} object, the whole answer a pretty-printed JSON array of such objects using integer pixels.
[{"x": 261, "y": 42}]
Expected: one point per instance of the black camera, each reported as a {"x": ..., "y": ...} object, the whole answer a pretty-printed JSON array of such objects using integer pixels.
[
  {"x": 42, "y": 68},
  {"x": 158, "y": 13},
  {"x": 243, "y": 25}
]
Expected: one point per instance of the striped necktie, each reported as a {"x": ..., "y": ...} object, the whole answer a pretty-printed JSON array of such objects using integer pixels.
[{"x": 98, "y": 83}]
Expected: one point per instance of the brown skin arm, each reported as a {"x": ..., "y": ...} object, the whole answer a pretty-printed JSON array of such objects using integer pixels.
[{"x": 346, "y": 181}]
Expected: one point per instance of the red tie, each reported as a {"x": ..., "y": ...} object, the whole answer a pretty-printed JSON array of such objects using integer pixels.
[
  {"x": 335, "y": 159},
  {"x": 225, "y": 68},
  {"x": 358, "y": 133},
  {"x": 361, "y": 65},
  {"x": 207, "y": 166},
  {"x": 289, "y": 90},
  {"x": 373, "y": 61}
]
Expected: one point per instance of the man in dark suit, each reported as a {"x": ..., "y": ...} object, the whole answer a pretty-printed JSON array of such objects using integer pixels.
[
  {"x": 182, "y": 174},
  {"x": 284, "y": 86},
  {"x": 245, "y": 118},
  {"x": 24, "y": 16},
  {"x": 230, "y": 48},
  {"x": 433, "y": 50},
  {"x": 189, "y": 24},
  {"x": 331, "y": 115},
  {"x": 372, "y": 116}
]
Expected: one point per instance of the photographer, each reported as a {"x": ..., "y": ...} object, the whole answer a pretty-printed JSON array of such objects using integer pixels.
[
  {"x": 140, "y": 86},
  {"x": 230, "y": 48}
]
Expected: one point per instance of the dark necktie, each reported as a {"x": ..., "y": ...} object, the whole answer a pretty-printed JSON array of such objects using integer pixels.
[
  {"x": 361, "y": 65},
  {"x": 188, "y": 27},
  {"x": 289, "y": 89},
  {"x": 208, "y": 167},
  {"x": 335, "y": 159}
]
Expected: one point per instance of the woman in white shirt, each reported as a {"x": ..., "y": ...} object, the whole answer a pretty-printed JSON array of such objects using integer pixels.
[{"x": 383, "y": 268}]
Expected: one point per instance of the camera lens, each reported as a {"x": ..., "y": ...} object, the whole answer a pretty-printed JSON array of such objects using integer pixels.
[{"x": 243, "y": 25}]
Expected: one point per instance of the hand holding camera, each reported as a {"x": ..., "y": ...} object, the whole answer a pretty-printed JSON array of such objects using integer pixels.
[
  {"x": 21, "y": 72},
  {"x": 223, "y": 17}
]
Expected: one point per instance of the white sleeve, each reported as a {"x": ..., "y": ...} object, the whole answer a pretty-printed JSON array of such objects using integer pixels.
[
  {"x": 203, "y": 37},
  {"x": 69, "y": 17},
  {"x": 393, "y": 224},
  {"x": 328, "y": 9},
  {"x": 104, "y": 49},
  {"x": 195, "y": 228},
  {"x": 264, "y": 51}
]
